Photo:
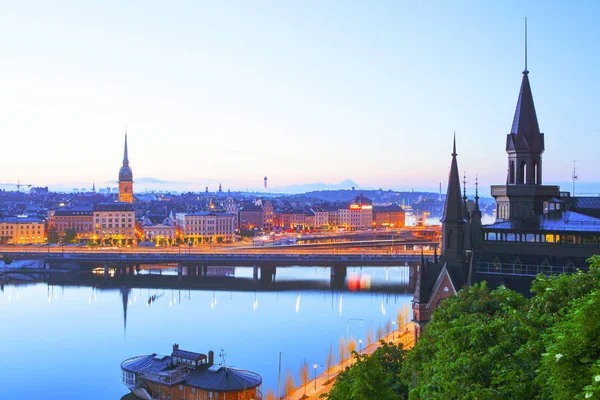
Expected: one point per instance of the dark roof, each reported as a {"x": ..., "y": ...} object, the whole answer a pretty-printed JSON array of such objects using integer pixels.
[
  {"x": 387, "y": 209},
  {"x": 118, "y": 206},
  {"x": 225, "y": 379},
  {"x": 73, "y": 211},
  {"x": 362, "y": 200},
  {"x": 150, "y": 363},
  {"x": 525, "y": 132},
  {"x": 586, "y": 205},
  {"x": 157, "y": 219},
  {"x": 251, "y": 207},
  {"x": 426, "y": 278},
  {"x": 568, "y": 221},
  {"x": 21, "y": 220},
  {"x": 188, "y": 355},
  {"x": 453, "y": 208}
]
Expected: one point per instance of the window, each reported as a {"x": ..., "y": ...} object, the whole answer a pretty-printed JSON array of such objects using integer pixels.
[
  {"x": 180, "y": 388},
  {"x": 193, "y": 390}
]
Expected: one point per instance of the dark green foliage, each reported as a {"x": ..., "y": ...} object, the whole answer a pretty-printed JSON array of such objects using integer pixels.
[
  {"x": 375, "y": 376},
  {"x": 498, "y": 345}
]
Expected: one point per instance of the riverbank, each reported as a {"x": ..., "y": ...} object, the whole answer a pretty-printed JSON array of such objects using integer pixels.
[{"x": 325, "y": 380}]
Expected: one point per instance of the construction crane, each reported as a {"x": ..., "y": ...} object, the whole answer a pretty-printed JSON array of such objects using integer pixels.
[{"x": 18, "y": 184}]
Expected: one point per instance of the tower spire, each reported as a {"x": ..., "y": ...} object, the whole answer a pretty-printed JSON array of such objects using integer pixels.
[
  {"x": 453, "y": 208},
  {"x": 476, "y": 189},
  {"x": 525, "y": 72},
  {"x": 125, "y": 155}
]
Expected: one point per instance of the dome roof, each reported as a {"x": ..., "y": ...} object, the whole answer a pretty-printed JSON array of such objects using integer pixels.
[{"x": 125, "y": 174}]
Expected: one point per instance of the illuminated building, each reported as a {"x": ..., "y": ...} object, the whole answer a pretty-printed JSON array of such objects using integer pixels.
[
  {"x": 114, "y": 223},
  {"x": 392, "y": 216},
  {"x": 125, "y": 178},
  {"x": 257, "y": 214},
  {"x": 78, "y": 219},
  {"x": 21, "y": 230},
  {"x": 205, "y": 227},
  {"x": 358, "y": 215},
  {"x": 157, "y": 228}
]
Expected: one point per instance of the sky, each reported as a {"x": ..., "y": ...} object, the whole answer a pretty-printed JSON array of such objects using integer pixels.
[{"x": 303, "y": 92}]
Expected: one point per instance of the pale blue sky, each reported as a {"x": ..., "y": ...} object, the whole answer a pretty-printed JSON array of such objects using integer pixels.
[{"x": 300, "y": 91}]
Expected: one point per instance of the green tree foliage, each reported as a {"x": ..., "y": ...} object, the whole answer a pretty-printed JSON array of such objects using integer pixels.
[
  {"x": 70, "y": 236},
  {"x": 498, "y": 345},
  {"x": 53, "y": 235},
  {"x": 375, "y": 376}
]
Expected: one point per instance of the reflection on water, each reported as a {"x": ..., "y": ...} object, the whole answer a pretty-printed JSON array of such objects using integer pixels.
[{"x": 73, "y": 338}]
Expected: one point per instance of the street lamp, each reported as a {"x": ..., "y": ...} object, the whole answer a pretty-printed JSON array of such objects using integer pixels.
[
  {"x": 360, "y": 345},
  {"x": 393, "y": 330},
  {"x": 315, "y": 366}
]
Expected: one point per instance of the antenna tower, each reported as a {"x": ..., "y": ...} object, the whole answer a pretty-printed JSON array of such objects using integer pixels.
[{"x": 575, "y": 176}]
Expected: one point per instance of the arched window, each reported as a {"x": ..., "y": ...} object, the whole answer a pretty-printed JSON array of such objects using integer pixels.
[
  {"x": 126, "y": 188},
  {"x": 535, "y": 173},
  {"x": 522, "y": 172},
  {"x": 511, "y": 172}
]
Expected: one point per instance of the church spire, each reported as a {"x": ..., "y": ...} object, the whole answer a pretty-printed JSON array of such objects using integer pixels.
[
  {"x": 125, "y": 155},
  {"x": 453, "y": 208}
]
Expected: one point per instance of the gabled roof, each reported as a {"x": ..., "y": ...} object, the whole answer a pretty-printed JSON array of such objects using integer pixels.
[
  {"x": 426, "y": 277},
  {"x": 525, "y": 132}
]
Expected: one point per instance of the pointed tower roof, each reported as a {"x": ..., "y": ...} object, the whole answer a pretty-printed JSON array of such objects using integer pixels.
[
  {"x": 125, "y": 173},
  {"x": 453, "y": 208},
  {"x": 476, "y": 213},
  {"x": 525, "y": 131},
  {"x": 125, "y": 155}
]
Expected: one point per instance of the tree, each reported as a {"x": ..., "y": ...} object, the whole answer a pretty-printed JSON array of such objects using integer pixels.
[
  {"x": 289, "y": 385},
  {"x": 388, "y": 327},
  {"x": 400, "y": 318},
  {"x": 52, "y": 235},
  {"x": 351, "y": 346},
  {"x": 304, "y": 375},
  {"x": 371, "y": 377},
  {"x": 342, "y": 350},
  {"x": 330, "y": 360},
  {"x": 270, "y": 395},
  {"x": 380, "y": 333},
  {"x": 369, "y": 337},
  {"x": 70, "y": 236}
]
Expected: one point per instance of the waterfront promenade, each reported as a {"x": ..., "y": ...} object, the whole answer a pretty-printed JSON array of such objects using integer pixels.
[{"x": 404, "y": 335}]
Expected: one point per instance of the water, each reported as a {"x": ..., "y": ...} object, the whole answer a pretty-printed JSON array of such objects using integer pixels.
[{"x": 67, "y": 342}]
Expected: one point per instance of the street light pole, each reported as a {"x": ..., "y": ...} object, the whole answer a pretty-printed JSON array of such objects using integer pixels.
[
  {"x": 360, "y": 345},
  {"x": 315, "y": 365}
]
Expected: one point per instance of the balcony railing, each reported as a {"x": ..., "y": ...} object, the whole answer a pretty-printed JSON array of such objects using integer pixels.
[
  {"x": 170, "y": 377},
  {"x": 521, "y": 269}
]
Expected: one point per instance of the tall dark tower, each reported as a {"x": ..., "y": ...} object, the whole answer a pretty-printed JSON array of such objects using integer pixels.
[
  {"x": 454, "y": 223},
  {"x": 523, "y": 195},
  {"x": 125, "y": 178}
]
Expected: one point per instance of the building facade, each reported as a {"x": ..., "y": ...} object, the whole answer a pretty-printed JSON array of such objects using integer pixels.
[
  {"x": 158, "y": 229},
  {"x": 392, "y": 216},
  {"x": 205, "y": 227},
  {"x": 79, "y": 219},
  {"x": 22, "y": 230},
  {"x": 114, "y": 223}
]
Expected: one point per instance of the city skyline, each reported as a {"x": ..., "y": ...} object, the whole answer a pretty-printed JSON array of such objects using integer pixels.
[{"x": 297, "y": 93}]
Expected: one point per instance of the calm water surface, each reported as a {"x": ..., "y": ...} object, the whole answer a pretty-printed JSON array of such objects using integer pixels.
[{"x": 67, "y": 342}]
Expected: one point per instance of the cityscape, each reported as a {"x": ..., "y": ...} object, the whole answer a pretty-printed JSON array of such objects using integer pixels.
[{"x": 144, "y": 265}]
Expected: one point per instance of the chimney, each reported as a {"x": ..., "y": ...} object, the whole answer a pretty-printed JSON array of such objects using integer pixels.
[
  {"x": 211, "y": 358},
  {"x": 175, "y": 347}
]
